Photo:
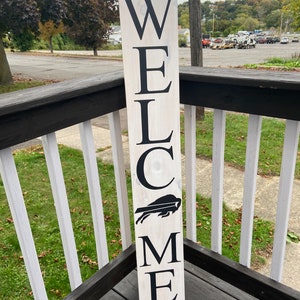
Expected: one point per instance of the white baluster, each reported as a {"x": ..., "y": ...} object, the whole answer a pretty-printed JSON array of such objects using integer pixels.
[
  {"x": 252, "y": 154},
  {"x": 62, "y": 208},
  {"x": 190, "y": 170},
  {"x": 18, "y": 210},
  {"x": 218, "y": 179},
  {"x": 90, "y": 161},
  {"x": 119, "y": 168},
  {"x": 289, "y": 156}
]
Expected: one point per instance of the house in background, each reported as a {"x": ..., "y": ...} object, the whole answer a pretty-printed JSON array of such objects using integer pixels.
[
  {"x": 115, "y": 36},
  {"x": 184, "y": 32}
]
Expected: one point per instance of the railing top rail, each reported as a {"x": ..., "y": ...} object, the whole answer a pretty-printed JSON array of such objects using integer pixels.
[
  {"x": 27, "y": 114},
  {"x": 274, "y": 94},
  {"x": 243, "y": 77},
  {"x": 34, "y": 112},
  {"x": 58, "y": 92}
]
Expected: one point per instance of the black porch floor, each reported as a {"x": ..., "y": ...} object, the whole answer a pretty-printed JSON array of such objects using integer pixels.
[
  {"x": 199, "y": 284},
  {"x": 208, "y": 275}
]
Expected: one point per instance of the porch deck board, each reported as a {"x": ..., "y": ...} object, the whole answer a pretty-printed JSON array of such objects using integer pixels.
[
  {"x": 208, "y": 276},
  {"x": 199, "y": 284}
]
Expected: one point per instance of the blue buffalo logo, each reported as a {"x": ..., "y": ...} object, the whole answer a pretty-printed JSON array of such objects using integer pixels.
[{"x": 163, "y": 206}]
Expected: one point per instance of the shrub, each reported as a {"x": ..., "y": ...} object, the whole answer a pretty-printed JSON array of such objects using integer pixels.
[
  {"x": 182, "y": 40},
  {"x": 23, "y": 41}
]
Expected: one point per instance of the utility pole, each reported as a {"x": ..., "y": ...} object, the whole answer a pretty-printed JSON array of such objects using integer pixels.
[
  {"x": 196, "y": 42},
  {"x": 191, "y": 114},
  {"x": 195, "y": 33}
]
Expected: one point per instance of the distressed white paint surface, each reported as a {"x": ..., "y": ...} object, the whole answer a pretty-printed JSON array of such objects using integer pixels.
[
  {"x": 62, "y": 208},
  {"x": 190, "y": 170},
  {"x": 218, "y": 179},
  {"x": 252, "y": 153},
  {"x": 21, "y": 222},
  {"x": 288, "y": 164},
  {"x": 91, "y": 168},
  {"x": 152, "y": 86},
  {"x": 119, "y": 168}
]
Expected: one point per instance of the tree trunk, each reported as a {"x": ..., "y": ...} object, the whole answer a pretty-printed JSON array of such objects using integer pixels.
[
  {"x": 51, "y": 44},
  {"x": 196, "y": 42},
  {"x": 5, "y": 73},
  {"x": 95, "y": 52}
]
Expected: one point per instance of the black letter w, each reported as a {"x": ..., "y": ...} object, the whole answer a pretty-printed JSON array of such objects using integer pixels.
[{"x": 150, "y": 11}]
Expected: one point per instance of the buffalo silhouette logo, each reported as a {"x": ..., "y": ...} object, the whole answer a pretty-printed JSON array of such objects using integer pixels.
[{"x": 163, "y": 206}]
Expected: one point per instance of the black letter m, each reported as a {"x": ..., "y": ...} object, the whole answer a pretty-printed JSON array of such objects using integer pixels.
[
  {"x": 172, "y": 240},
  {"x": 150, "y": 11}
]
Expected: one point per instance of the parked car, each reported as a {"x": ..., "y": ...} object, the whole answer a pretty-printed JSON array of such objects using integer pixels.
[
  {"x": 260, "y": 40},
  {"x": 271, "y": 40},
  {"x": 284, "y": 40},
  {"x": 295, "y": 39},
  {"x": 206, "y": 43},
  {"x": 218, "y": 40}
]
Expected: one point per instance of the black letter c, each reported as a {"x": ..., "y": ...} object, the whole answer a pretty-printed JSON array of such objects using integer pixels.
[{"x": 140, "y": 169}]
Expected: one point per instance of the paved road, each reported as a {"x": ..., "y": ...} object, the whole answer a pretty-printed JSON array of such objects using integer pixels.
[
  {"x": 59, "y": 67},
  {"x": 66, "y": 67},
  {"x": 239, "y": 57}
]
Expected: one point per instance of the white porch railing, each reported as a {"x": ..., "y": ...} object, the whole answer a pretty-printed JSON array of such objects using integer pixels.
[{"x": 97, "y": 91}]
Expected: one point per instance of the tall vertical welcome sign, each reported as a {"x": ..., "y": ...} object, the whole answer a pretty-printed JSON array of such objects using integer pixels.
[{"x": 150, "y": 55}]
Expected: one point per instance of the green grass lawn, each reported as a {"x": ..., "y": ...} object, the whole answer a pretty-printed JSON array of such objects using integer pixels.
[
  {"x": 21, "y": 83},
  {"x": 36, "y": 189},
  {"x": 279, "y": 63},
  {"x": 271, "y": 147},
  {"x": 19, "y": 86}
]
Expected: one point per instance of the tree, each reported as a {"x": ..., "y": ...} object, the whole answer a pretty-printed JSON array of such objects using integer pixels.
[
  {"x": 54, "y": 10},
  {"x": 53, "y": 14},
  {"x": 24, "y": 40},
  {"x": 244, "y": 22},
  {"x": 48, "y": 30},
  {"x": 273, "y": 20},
  {"x": 88, "y": 21},
  {"x": 183, "y": 15},
  {"x": 5, "y": 73},
  {"x": 19, "y": 17},
  {"x": 292, "y": 7}
]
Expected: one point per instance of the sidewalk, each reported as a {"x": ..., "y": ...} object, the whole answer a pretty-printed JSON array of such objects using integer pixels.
[{"x": 266, "y": 197}]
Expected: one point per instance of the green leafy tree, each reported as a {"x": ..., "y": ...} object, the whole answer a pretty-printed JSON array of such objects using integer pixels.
[
  {"x": 291, "y": 8},
  {"x": 48, "y": 30},
  {"x": 19, "y": 17},
  {"x": 53, "y": 14},
  {"x": 88, "y": 21},
  {"x": 184, "y": 21},
  {"x": 273, "y": 20},
  {"x": 183, "y": 15},
  {"x": 24, "y": 40},
  {"x": 244, "y": 22},
  {"x": 54, "y": 10}
]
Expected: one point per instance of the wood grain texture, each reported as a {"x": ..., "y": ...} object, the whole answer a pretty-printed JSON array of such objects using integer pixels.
[
  {"x": 208, "y": 276},
  {"x": 273, "y": 94},
  {"x": 28, "y": 114}
]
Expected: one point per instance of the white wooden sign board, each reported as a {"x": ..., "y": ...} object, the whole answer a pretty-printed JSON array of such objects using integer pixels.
[{"x": 150, "y": 56}]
